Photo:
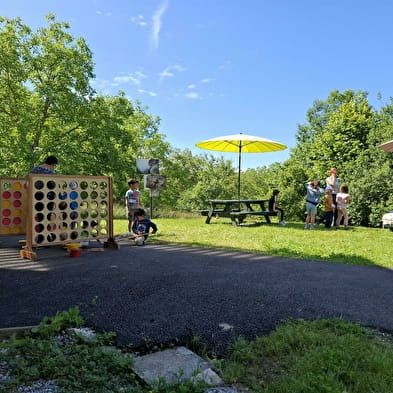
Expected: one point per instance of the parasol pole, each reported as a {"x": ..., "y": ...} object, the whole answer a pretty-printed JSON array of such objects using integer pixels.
[{"x": 238, "y": 172}]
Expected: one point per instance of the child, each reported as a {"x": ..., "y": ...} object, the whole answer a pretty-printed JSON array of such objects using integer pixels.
[
  {"x": 342, "y": 201},
  {"x": 141, "y": 227},
  {"x": 273, "y": 206},
  {"x": 314, "y": 193},
  {"x": 132, "y": 200},
  {"x": 48, "y": 167},
  {"x": 328, "y": 213}
]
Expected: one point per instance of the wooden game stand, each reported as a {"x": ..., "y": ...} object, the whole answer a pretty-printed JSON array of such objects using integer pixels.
[{"x": 64, "y": 209}]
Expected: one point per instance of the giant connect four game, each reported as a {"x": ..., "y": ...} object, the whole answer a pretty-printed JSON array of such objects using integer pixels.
[{"x": 56, "y": 209}]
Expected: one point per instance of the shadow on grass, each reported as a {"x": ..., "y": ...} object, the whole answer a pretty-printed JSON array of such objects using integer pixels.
[
  {"x": 280, "y": 252},
  {"x": 334, "y": 257}
]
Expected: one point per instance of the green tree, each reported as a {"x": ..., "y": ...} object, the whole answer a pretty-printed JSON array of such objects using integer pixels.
[
  {"x": 44, "y": 91},
  {"x": 193, "y": 180},
  {"x": 336, "y": 131}
]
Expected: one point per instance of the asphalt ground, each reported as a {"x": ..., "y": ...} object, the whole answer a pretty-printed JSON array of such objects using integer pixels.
[{"x": 163, "y": 294}]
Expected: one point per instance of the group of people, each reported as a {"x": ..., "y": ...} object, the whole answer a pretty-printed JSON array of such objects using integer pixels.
[
  {"x": 138, "y": 224},
  {"x": 335, "y": 199},
  {"x": 335, "y": 202}
]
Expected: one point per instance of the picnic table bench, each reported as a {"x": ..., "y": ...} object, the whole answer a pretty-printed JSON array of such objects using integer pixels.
[{"x": 237, "y": 209}]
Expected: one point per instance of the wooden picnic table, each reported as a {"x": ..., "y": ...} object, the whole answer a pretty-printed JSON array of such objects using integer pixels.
[{"x": 238, "y": 209}]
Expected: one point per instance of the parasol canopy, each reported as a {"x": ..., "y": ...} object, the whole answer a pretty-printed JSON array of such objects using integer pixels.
[
  {"x": 387, "y": 146},
  {"x": 241, "y": 143}
]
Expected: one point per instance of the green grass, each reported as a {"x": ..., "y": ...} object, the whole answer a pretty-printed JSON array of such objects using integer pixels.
[
  {"x": 358, "y": 245},
  {"x": 313, "y": 357}
]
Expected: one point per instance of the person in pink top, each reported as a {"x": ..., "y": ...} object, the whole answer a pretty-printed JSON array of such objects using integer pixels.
[{"x": 342, "y": 201}]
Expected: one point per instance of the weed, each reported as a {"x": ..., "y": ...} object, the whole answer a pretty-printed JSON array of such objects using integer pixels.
[{"x": 50, "y": 326}]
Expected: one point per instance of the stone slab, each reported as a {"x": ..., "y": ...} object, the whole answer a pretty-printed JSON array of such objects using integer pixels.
[{"x": 173, "y": 365}]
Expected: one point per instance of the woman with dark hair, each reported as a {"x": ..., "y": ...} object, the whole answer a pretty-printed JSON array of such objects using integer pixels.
[{"x": 47, "y": 168}]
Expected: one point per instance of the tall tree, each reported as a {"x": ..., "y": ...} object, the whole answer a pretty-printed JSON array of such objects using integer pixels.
[{"x": 44, "y": 90}]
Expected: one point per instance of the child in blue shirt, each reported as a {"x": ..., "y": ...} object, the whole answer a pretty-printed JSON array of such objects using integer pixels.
[
  {"x": 141, "y": 227},
  {"x": 47, "y": 168}
]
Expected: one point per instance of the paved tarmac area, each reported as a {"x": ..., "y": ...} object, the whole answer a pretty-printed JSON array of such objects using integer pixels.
[{"x": 162, "y": 294}]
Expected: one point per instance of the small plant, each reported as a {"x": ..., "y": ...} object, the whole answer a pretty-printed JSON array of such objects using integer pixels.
[
  {"x": 71, "y": 364},
  {"x": 50, "y": 326},
  {"x": 93, "y": 302}
]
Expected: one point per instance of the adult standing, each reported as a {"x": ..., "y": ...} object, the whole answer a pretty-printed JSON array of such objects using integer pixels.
[
  {"x": 314, "y": 193},
  {"x": 48, "y": 167},
  {"x": 333, "y": 181}
]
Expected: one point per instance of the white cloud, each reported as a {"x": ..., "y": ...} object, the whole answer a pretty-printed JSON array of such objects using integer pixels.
[
  {"x": 133, "y": 79},
  {"x": 140, "y": 75},
  {"x": 103, "y": 84},
  {"x": 139, "y": 20},
  {"x": 192, "y": 96},
  {"x": 150, "y": 93},
  {"x": 104, "y": 13},
  {"x": 170, "y": 71},
  {"x": 166, "y": 73},
  {"x": 192, "y": 86},
  {"x": 156, "y": 24},
  {"x": 179, "y": 68},
  {"x": 225, "y": 65},
  {"x": 207, "y": 80}
]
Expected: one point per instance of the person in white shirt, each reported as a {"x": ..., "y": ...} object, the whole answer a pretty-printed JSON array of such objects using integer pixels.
[
  {"x": 132, "y": 201},
  {"x": 342, "y": 201}
]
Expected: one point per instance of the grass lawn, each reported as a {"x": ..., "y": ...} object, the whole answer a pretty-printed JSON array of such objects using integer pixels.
[{"x": 358, "y": 245}]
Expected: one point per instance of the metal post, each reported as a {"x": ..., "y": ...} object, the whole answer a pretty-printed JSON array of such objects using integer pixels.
[
  {"x": 151, "y": 204},
  {"x": 238, "y": 174}
]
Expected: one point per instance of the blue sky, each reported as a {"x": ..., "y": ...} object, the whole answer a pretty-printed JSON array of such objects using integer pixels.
[{"x": 216, "y": 67}]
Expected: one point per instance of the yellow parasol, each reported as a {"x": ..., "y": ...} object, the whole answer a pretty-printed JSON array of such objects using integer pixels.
[{"x": 241, "y": 143}]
